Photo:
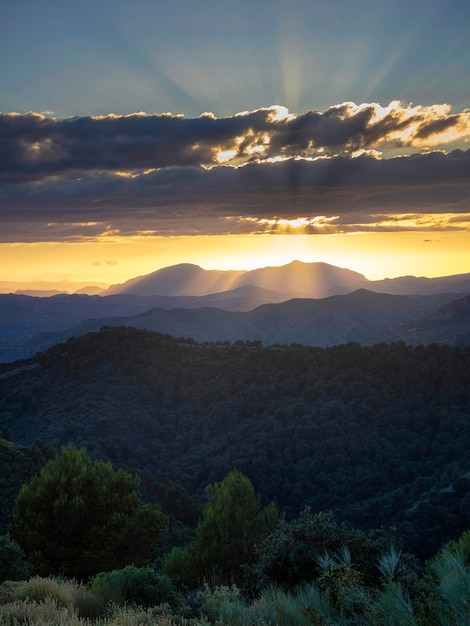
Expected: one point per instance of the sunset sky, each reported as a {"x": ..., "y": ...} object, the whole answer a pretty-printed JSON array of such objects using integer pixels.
[{"x": 136, "y": 135}]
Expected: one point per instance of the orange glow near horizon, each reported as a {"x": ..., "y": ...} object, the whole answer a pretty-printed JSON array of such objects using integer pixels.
[{"x": 376, "y": 255}]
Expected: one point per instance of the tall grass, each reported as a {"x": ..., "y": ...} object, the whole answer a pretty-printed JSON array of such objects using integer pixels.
[
  {"x": 453, "y": 581},
  {"x": 50, "y": 602}
]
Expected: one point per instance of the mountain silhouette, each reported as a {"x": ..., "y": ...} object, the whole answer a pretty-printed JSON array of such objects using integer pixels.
[
  {"x": 184, "y": 279},
  {"x": 361, "y": 316},
  {"x": 294, "y": 280}
]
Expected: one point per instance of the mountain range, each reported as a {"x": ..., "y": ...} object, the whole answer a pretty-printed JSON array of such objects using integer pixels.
[
  {"x": 309, "y": 303},
  {"x": 294, "y": 280}
]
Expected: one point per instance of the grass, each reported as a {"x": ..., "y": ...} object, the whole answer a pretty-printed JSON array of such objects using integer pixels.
[{"x": 54, "y": 602}]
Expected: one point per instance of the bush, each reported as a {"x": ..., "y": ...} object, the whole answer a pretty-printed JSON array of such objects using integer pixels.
[
  {"x": 13, "y": 564},
  {"x": 46, "y": 613},
  {"x": 141, "y": 586},
  {"x": 38, "y": 589},
  {"x": 211, "y": 601}
]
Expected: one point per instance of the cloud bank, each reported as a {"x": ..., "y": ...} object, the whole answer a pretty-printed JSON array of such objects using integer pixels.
[{"x": 351, "y": 167}]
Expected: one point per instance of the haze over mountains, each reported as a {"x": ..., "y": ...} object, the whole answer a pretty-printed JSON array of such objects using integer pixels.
[
  {"x": 309, "y": 303},
  {"x": 294, "y": 280}
]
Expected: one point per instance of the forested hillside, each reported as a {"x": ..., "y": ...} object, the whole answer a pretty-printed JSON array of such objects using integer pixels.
[{"x": 379, "y": 434}]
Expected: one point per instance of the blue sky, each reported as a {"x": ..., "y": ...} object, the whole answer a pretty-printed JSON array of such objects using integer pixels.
[
  {"x": 140, "y": 123},
  {"x": 96, "y": 57}
]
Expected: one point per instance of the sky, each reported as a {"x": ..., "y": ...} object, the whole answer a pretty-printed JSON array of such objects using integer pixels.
[{"x": 233, "y": 135}]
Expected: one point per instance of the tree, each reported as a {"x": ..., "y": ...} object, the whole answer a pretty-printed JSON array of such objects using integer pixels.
[
  {"x": 289, "y": 556},
  {"x": 13, "y": 565},
  {"x": 6, "y": 433},
  {"x": 77, "y": 518},
  {"x": 232, "y": 524}
]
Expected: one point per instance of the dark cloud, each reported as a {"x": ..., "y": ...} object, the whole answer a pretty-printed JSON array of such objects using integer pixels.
[
  {"x": 34, "y": 147},
  {"x": 224, "y": 199},
  {"x": 82, "y": 178}
]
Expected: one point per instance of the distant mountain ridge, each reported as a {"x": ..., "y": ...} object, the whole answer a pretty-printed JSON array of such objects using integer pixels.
[
  {"x": 323, "y": 305},
  {"x": 296, "y": 280},
  {"x": 450, "y": 324},
  {"x": 362, "y": 316}
]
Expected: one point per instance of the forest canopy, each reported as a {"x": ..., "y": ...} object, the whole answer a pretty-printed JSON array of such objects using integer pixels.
[{"x": 380, "y": 435}]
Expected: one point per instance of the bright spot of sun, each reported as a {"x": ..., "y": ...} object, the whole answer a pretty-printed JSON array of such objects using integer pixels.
[
  {"x": 226, "y": 155},
  {"x": 298, "y": 223}
]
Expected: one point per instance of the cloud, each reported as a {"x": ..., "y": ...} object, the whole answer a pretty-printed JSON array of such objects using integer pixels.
[
  {"x": 258, "y": 171},
  {"x": 105, "y": 262},
  {"x": 35, "y": 146}
]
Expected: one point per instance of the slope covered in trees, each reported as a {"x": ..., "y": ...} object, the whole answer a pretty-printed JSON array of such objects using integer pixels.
[
  {"x": 17, "y": 465},
  {"x": 379, "y": 434}
]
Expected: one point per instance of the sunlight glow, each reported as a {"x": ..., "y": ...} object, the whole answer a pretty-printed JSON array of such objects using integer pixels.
[
  {"x": 280, "y": 114},
  {"x": 294, "y": 226},
  {"x": 226, "y": 155},
  {"x": 420, "y": 253}
]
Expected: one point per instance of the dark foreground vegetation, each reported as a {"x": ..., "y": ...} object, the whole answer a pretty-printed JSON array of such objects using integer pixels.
[
  {"x": 245, "y": 563},
  {"x": 220, "y": 483}
]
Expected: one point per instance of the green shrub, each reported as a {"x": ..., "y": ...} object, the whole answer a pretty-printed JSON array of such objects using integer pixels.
[
  {"x": 211, "y": 600},
  {"x": 142, "y": 586},
  {"x": 13, "y": 564}
]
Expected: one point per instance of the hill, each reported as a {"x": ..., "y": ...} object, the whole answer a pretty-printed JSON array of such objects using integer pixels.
[
  {"x": 449, "y": 324},
  {"x": 368, "y": 432},
  {"x": 17, "y": 466},
  {"x": 294, "y": 280},
  {"x": 23, "y": 317},
  {"x": 362, "y": 316},
  {"x": 184, "y": 279},
  {"x": 29, "y": 324}
]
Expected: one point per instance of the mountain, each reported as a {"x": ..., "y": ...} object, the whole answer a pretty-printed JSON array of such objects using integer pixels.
[
  {"x": 306, "y": 280},
  {"x": 450, "y": 324},
  {"x": 362, "y": 316},
  {"x": 458, "y": 283},
  {"x": 45, "y": 288},
  {"x": 24, "y": 317},
  {"x": 28, "y": 324},
  {"x": 179, "y": 280},
  {"x": 39, "y": 293},
  {"x": 295, "y": 280},
  {"x": 365, "y": 431}
]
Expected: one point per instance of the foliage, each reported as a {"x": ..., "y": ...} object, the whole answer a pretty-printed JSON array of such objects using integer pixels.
[
  {"x": 38, "y": 589},
  {"x": 211, "y": 600},
  {"x": 233, "y": 522},
  {"x": 390, "y": 563},
  {"x": 378, "y": 434},
  {"x": 451, "y": 569},
  {"x": 142, "y": 586},
  {"x": 301, "y": 550},
  {"x": 16, "y": 467},
  {"x": 78, "y": 518},
  {"x": 340, "y": 598},
  {"x": 13, "y": 564}
]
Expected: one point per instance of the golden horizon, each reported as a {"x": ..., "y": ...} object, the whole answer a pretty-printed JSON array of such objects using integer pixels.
[{"x": 375, "y": 255}]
